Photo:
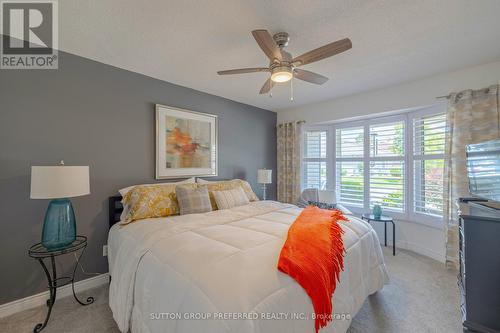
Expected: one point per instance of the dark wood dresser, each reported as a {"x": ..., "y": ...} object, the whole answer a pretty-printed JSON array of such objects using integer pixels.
[{"x": 479, "y": 277}]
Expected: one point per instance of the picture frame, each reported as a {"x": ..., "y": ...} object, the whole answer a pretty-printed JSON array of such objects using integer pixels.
[{"x": 186, "y": 143}]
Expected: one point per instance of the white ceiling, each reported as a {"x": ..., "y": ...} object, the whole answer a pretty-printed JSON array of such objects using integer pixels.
[{"x": 187, "y": 41}]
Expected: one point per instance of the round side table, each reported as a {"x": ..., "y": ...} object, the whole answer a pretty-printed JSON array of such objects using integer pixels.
[
  {"x": 40, "y": 253},
  {"x": 385, "y": 220}
]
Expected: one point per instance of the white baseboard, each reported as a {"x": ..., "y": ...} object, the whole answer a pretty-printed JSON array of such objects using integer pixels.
[
  {"x": 412, "y": 236},
  {"x": 420, "y": 250},
  {"x": 33, "y": 301}
]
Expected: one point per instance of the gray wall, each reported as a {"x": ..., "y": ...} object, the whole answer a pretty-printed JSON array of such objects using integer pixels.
[{"x": 88, "y": 113}]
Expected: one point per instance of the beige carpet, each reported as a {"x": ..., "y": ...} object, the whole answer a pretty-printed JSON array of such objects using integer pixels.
[{"x": 422, "y": 296}]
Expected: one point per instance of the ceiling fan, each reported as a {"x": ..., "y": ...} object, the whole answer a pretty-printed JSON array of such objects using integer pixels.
[{"x": 282, "y": 66}]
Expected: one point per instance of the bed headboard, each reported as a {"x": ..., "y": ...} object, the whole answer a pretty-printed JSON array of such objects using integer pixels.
[{"x": 115, "y": 209}]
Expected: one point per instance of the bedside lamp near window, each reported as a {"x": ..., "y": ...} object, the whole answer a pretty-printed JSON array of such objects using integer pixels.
[
  {"x": 264, "y": 177},
  {"x": 59, "y": 183}
]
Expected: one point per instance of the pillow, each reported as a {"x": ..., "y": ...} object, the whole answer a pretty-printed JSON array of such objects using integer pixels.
[
  {"x": 193, "y": 200},
  {"x": 228, "y": 185},
  {"x": 124, "y": 191},
  {"x": 324, "y": 205},
  {"x": 230, "y": 198},
  {"x": 147, "y": 201},
  {"x": 329, "y": 196}
]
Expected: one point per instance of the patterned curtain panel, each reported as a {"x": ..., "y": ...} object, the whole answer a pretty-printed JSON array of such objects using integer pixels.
[
  {"x": 289, "y": 137},
  {"x": 473, "y": 117}
]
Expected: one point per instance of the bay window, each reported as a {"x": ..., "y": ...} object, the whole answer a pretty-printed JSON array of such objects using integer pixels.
[{"x": 396, "y": 162}]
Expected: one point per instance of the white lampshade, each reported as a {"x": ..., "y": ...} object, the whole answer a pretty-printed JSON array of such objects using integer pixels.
[
  {"x": 264, "y": 176},
  {"x": 54, "y": 182}
]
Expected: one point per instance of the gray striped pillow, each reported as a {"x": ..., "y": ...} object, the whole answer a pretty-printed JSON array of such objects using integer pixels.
[
  {"x": 193, "y": 200},
  {"x": 230, "y": 198}
]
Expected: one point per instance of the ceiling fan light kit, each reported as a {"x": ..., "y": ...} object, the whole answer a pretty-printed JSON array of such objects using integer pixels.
[
  {"x": 282, "y": 66},
  {"x": 281, "y": 74}
]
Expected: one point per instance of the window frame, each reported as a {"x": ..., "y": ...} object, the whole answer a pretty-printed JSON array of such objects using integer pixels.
[{"x": 409, "y": 214}]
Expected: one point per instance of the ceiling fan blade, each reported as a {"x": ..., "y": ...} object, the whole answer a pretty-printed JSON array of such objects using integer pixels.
[
  {"x": 323, "y": 52},
  {"x": 308, "y": 76},
  {"x": 268, "y": 85},
  {"x": 243, "y": 70},
  {"x": 267, "y": 44}
]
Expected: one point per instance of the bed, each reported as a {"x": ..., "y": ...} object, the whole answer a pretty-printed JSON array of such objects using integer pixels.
[{"x": 216, "y": 272}]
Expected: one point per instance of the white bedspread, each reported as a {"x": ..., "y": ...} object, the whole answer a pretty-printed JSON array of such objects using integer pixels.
[{"x": 222, "y": 265}]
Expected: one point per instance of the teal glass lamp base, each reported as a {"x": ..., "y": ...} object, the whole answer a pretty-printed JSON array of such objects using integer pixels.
[{"x": 59, "y": 226}]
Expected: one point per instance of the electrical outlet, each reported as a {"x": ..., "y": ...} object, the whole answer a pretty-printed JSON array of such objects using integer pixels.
[{"x": 104, "y": 250}]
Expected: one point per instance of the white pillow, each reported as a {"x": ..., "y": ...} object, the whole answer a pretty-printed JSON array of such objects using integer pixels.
[
  {"x": 124, "y": 191},
  {"x": 230, "y": 198},
  {"x": 327, "y": 196}
]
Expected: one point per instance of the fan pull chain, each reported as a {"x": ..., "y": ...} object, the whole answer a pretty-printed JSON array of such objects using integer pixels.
[{"x": 291, "y": 87}]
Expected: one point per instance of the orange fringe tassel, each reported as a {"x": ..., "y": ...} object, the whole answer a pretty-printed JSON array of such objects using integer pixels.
[{"x": 313, "y": 255}]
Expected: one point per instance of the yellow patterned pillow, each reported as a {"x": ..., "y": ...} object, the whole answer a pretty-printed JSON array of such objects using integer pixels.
[
  {"x": 144, "y": 202},
  {"x": 229, "y": 185}
]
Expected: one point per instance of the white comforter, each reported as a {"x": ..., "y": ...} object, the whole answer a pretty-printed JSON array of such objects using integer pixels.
[{"x": 216, "y": 272}]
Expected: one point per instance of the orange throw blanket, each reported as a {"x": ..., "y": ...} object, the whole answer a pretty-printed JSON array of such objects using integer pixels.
[{"x": 313, "y": 255}]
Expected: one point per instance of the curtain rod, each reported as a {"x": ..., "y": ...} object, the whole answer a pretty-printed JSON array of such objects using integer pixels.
[
  {"x": 297, "y": 121},
  {"x": 459, "y": 94}
]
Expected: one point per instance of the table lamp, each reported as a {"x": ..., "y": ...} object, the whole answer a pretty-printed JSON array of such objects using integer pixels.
[
  {"x": 59, "y": 183},
  {"x": 264, "y": 177}
]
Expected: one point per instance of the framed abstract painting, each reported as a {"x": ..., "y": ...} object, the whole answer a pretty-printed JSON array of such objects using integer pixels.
[{"x": 186, "y": 143}]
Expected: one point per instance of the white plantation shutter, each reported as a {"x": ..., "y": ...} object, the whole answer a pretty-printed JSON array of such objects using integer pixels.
[
  {"x": 387, "y": 184},
  {"x": 428, "y": 159},
  {"x": 387, "y": 140},
  {"x": 387, "y": 165},
  {"x": 429, "y": 135},
  {"x": 350, "y": 183},
  {"x": 314, "y": 175},
  {"x": 350, "y": 142},
  {"x": 315, "y": 144},
  {"x": 314, "y": 168},
  {"x": 350, "y": 166}
]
